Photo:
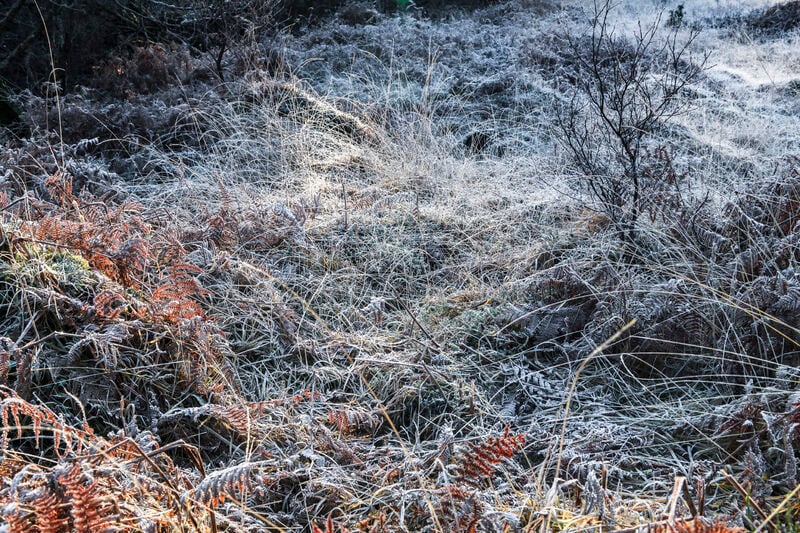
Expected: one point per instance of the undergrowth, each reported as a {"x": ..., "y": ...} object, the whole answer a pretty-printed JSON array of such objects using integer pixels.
[{"x": 254, "y": 306}]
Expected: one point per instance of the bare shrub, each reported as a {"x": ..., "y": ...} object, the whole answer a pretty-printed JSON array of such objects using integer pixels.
[{"x": 624, "y": 90}]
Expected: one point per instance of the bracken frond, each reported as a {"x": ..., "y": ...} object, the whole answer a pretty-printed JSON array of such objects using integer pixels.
[
  {"x": 238, "y": 417},
  {"x": 72, "y": 439},
  {"x": 481, "y": 460},
  {"x": 109, "y": 304},
  {"x": 175, "y": 298},
  {"x": 46, "y": 509},
  {"x": 8, "y": 352},
  {"x": 131, "y": 259},
  {"x": 17, "y": 520},
  {"x": 110, "y": 238},
  {"x": 16, "y": 408},
  {"x": 91, "y": 508},
  {"x": 59, "y": 185},
  {"x": 458, "y": 508},
  {"x": 354, "y": 421},
  {"x": 223, "y": 484},
  {"x": 11, "y": 464}
]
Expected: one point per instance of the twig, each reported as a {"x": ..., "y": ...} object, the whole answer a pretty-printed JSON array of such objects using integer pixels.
[
  {"x": 746, "y": 496},
  {"x": 680, "y": 489},
  {"x": 574, "y": 384},
  {"x": 18, "y": 50},
  {"x": 344, "y": 198},
  {"x": 167, "y": 479},
  {"x": 414, "y": 318},
  {"x": 687, "y": 497},
  {"x": 438, "y": 386}
]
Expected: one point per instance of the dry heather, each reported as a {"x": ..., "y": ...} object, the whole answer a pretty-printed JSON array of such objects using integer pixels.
[{"x": 371, "y": 292}]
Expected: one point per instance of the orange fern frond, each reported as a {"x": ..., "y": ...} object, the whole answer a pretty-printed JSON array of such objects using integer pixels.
[
  {"x": 342, "y": 450},
  {"x": 743, "y": 421},
  {"x": 354, "y": 421},
  {"x": 175, "y": 298},
  {"x": 220, "y": 229},
  {"x": 238, "y": 417},
  {"x": 11, "y": 464},
  {"x": 46, "y": 508},
  {"x": 18, "y": 521},
  {"x": 131, "y": 259},
  {"x": 8, "y": 352},
  {"x": 59, "y": 185},
  {"x": 111, "y": 239},
  {"x": 304, "y": 396},
  {"x": 91, "y": 506},
  {"x": 481, "y": 460},
  {"x": 373, "y": 525},
  {"x": 16, "y": 408},
  {"x": 458, "y": 508},
  {"x": 241, "y": 418},
  {"x": 109, "y": 304}
]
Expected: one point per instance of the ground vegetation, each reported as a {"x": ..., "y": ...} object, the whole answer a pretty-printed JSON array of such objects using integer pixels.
[{"x": 354, "y": 273}]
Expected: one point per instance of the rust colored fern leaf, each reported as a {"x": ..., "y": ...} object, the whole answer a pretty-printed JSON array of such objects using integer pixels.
[
  {"x": 109, "y": 304},
  {"x": 116, "y": 252},
  {"x": 59, "y": 185},
  {"x": 175, "y": 298},
  {"x": 481, "y": 460},
  {"x": 8, "y": 352},
  {"x": 354, "y": 421},
  {"x": 91, "y": 509},
  {"x": 240, "y": 418},
  {"x": 46, "y": 509},
  {"x": 131, "y": 259},
  {"x": 110, "y": 238},
  {"x": 459, "y": 508},
  {"x": 15, "y": 408},
  {"x": 17, "y": 520}
]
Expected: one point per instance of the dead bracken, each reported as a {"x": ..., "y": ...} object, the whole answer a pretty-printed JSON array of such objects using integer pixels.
[{"x": 499, "y": 266}]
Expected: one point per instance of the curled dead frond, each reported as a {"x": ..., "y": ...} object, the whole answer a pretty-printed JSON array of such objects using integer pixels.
[
  {"x": 355, "y": 420},
  {"x": 66, "y": 439},
  {"x": 222, "y": 484}
]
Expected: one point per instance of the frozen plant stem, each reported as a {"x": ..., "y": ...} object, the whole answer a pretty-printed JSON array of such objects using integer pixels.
[{"x": 622, "y": 91}]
